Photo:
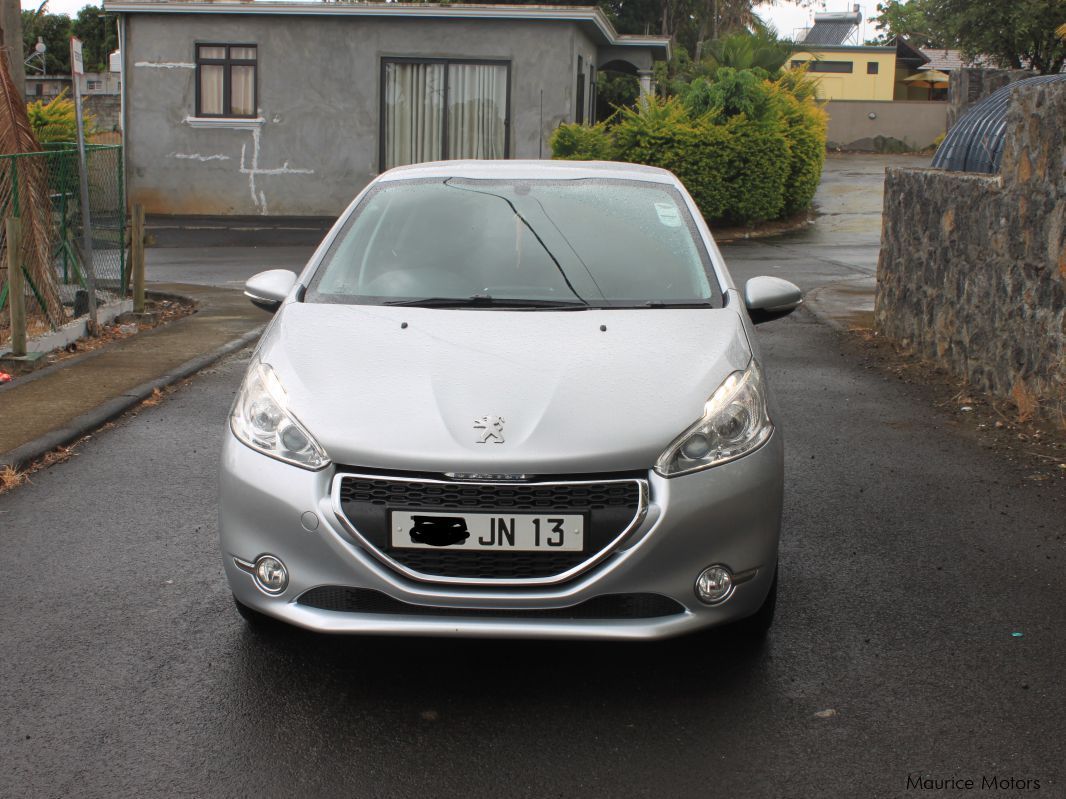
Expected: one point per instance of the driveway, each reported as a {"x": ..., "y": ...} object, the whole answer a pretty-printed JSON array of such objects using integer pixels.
[
  {"x": 920, "y": 629},
  {"x": 840, "y": 248}
]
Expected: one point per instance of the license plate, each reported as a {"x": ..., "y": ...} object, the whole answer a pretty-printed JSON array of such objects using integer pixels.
[{"x": 517, "y": 532}]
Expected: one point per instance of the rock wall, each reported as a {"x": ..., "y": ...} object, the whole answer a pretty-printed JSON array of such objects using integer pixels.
[
  {"x": 107, "y": 109},
  {"x": 970, "y": 84},
  {"x": 972, "y": 271}
]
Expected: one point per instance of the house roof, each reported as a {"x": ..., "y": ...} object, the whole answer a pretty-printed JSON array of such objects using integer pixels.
[
  {"x": 590, "y": 17},
  {"x": 948, "y": 60}
]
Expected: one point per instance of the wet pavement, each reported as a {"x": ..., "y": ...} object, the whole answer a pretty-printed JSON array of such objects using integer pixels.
[
  {"x": 919, "y": 630},
  {"x": 834, "y": 260},
  {"x": 921, "y": 602}
]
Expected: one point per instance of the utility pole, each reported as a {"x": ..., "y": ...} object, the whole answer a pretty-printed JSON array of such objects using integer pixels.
[{"x": 11, "y": 38}]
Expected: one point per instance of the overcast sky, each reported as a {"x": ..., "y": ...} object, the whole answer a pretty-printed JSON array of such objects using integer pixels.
[{"x": 786, "y": 16}]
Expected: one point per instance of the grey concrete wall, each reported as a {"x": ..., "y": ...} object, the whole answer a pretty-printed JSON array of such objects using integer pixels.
[
  {"x": 106, "y": 109},
  {"x": 319, "y": 98},
  {"x": 972, "y": 272},
  {"x": 897, "y": 126}
]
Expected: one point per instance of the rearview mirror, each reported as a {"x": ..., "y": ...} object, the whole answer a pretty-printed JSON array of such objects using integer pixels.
[
  {"x": 768, "y": 298},
  {"x": 268, "y": 289}
]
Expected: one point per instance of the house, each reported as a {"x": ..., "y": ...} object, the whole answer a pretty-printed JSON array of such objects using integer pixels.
[
  {"x": 45, "y": 87},
  {"x": 848, "y": 70},
  {"x": 292, "y": 108},
  {"x": 877, "y": 95}
]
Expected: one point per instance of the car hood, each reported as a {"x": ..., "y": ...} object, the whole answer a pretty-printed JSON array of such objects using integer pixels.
[{"x": 578, "y": 391}]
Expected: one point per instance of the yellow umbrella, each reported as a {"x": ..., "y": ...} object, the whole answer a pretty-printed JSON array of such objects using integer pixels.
[{"x": 930, "y": 79}]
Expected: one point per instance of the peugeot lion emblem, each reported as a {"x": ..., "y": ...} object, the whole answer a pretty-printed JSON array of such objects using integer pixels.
[{"x": 491, "y": 428}]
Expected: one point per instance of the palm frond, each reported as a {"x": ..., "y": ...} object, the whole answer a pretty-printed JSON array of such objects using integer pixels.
[{"x": 24, "y": 192}]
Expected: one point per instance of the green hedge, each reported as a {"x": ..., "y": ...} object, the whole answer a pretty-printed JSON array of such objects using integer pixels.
[{"x": 747, "y": 150}]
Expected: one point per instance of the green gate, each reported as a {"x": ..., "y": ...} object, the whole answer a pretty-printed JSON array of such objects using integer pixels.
[{"x": 42, "y": 189}]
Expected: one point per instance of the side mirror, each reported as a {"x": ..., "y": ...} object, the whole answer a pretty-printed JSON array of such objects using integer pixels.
[
  {"x": 268, "y": 289},
  {"x": 768, "y": 298}
]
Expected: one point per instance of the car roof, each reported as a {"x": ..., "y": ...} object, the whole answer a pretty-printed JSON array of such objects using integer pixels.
[{"x": 529, "y": 170}]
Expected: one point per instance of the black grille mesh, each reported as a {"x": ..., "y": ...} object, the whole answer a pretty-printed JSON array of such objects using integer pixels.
[
  {"x": 556, "y": 498},
  {"x": 609, "y": 606},
  {"x": 609, "y": 508}
]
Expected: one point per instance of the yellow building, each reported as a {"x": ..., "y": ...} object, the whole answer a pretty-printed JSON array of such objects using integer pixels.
[
  {"x": 848, "y": 70},
  {"x": 851, "y": 73}
]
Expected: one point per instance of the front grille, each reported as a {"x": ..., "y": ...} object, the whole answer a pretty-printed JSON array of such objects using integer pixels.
[
  {"x": 609, "y": 606},
  {"x": 610, "y": 508}
]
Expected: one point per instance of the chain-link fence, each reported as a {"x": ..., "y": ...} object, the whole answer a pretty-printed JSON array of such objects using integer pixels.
[{"x": 43, "y": 191}]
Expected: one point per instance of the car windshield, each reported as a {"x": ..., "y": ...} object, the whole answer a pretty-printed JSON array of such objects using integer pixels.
[{"x": 568, "y": 244}]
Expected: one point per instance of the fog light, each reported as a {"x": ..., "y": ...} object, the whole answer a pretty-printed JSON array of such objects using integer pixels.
[
  {"x": 271, "y": 574},
  {"x": 714, "y": 585}
]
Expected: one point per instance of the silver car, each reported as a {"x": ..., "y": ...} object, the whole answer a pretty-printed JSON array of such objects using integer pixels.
[{"x": 510, "y": 399}]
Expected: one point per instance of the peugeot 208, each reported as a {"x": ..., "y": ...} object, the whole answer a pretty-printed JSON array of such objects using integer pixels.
[{"x": 508, "y": 398}]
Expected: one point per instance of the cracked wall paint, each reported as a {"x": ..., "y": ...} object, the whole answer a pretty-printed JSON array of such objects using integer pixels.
[
  {"x": 198, "y": 157},
  {"x": 165, "y": 64},
  {"x": 253, "y": 169}
]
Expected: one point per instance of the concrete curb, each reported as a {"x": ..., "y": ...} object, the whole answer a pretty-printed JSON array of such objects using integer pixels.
[
  {"x": 105, "y": 412},
  {"x": 85, "y": 356},
  {"x": 766, "y": 231}
]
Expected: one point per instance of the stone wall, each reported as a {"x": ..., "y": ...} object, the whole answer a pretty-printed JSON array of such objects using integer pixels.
[
  {"x": 106, "y": 109},
  {"x": 972, "y": 271},
  {"x": 970, "y": 84}
]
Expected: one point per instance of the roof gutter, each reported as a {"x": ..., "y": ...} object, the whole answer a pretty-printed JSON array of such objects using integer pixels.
[{"x": 556, "y": 13}]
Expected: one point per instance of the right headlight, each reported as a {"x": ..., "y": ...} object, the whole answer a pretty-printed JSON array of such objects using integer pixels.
[
  {"x": 734, "y": 423},
  {"x": 261, "y": 419}
]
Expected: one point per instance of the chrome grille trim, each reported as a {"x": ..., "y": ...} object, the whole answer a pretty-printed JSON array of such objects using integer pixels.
[{"x": 594, "y": 559}]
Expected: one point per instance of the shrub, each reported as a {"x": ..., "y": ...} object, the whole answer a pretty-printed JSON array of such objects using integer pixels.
[
  {"x": 747, "y": 149},
  {"x": 732, "y": 92},
  {"x": 736, "y": 172},
  {"x": 661, "y": 133},
  {"x": 804, "y": 126},
  {"x": 757, "y": 172},
  {"x": 56, "y": 120},
  {"x": 581, "y": 143}
]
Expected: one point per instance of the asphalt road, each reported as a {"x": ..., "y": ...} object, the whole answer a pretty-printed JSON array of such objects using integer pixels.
[{"x": 911, "y": 559}]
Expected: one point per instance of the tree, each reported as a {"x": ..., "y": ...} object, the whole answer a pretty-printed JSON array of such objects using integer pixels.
[
  {"x": 99, "y": 35},
  {"x": 687, "y": 22},
  {"x": 98, "y": 32},
  {"x": 1019, "y": 34},
  {"x": 54, "y": 30},
  {"x": 761, "y": 49},
  {"x": 911, "y": 19}
]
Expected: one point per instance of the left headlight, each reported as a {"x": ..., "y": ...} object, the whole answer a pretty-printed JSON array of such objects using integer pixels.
[
  {"x": 734, "y": 423},
  {"x": 261, "y": 419}
]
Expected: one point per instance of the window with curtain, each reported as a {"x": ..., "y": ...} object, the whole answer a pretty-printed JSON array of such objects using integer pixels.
[
  {"x": 226, "y": 80},
  {"x": 437, "y": 109}
]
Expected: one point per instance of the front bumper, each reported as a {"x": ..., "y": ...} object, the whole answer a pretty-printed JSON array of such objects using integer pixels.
[{"x": 730, "y": 514}]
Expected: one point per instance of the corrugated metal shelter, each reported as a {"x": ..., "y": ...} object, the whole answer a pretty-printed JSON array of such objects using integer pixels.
[{"x": 975, "y": 143}]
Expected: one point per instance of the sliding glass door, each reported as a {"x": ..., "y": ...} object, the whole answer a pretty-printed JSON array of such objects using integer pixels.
[{"x": 438, "y": 109}]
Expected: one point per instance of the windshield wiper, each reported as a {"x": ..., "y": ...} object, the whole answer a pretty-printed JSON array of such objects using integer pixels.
[
  {"x": 682, "y": 304},
  {"x": 485, "y": 301}
]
